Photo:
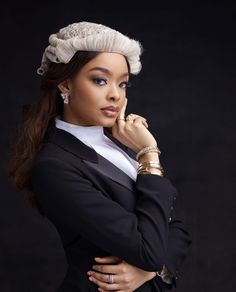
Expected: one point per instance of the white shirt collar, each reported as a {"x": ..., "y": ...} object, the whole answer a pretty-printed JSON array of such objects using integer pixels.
[
  {"x": 94, "y": 137},
  {"x": 92, "y": 134}
]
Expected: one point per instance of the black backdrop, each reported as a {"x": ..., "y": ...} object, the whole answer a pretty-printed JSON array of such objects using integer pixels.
[{"x": 186, "y": 90}]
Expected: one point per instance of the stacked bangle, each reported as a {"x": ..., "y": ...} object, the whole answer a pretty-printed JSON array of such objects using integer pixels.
[
  {"x": 144, "y": 167},
  {"x": 148, "y": 149}
]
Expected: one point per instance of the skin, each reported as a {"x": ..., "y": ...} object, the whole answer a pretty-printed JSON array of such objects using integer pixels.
[
  {"x": 89, "y": 91},
  {"x": 88, "y": 94}
]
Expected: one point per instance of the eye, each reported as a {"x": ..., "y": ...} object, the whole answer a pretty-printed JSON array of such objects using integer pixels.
[
  {"x": 97, "y": 80},
  {"x": 127, "y": 84},
  {"x": 100, "y": 81}
]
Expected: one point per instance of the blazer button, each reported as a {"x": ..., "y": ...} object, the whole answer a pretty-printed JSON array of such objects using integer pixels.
[{"x": 169, "y": 219}]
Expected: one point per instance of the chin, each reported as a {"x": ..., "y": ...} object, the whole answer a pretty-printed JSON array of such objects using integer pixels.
[{"x": 108, "y": 123}]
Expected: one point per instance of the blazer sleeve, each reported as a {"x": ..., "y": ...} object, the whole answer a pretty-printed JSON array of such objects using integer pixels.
[
  {"x": 140, "y": 237},
  {"x": 179, "y": 241}
]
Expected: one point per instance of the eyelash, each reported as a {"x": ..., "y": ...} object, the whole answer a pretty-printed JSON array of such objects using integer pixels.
[{"x": 128, "y": 84}]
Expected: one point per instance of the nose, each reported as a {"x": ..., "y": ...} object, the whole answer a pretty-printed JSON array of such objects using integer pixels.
[{"x": 114, "y": 93}]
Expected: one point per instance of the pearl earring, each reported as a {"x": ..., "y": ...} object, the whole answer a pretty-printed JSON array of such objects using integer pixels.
[{"x": 65, "y": 97}]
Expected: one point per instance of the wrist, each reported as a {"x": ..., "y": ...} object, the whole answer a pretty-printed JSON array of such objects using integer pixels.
[{"x": 151, "y": 275}]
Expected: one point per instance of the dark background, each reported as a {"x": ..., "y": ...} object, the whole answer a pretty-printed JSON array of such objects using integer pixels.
[{"x": 186, "y": 90}]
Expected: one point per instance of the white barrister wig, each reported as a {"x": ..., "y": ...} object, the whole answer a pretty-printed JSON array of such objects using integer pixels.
[{"x": 89, "y": 36}]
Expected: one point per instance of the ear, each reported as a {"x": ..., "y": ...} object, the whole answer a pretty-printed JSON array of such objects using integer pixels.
[{"x": 64, "y": 86}]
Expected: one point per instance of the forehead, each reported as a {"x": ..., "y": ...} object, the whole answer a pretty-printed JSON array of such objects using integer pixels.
[{"x": 114, "y": 62}]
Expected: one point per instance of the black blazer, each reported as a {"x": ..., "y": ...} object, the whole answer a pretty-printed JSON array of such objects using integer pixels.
[{"x": 99, "y": 210}]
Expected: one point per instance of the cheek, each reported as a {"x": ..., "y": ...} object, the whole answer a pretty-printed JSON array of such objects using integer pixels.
[
  {"x": 86, "y": 100},
  {"x": 86, "y": 96}
]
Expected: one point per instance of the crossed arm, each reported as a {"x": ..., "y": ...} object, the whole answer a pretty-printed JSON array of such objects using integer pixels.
[
  {"x": 146, "y": 238},
  {"x": 132, "y": 277}
]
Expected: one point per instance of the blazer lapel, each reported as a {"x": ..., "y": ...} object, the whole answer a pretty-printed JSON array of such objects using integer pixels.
[
  {"x": 90, "y": 157},
  {"x": 105, "y": 167}
]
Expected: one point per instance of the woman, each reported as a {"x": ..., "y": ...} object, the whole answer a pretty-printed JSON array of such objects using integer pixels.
[{"x": 96, "y": 174}]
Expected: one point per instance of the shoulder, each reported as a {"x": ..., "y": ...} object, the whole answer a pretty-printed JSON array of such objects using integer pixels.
[{"x": 53, "y": 156}]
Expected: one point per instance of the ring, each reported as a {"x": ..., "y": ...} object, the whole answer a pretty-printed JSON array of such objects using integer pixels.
[
  {"x": 128, "y": 117},
  {"x": 110, "y": 279}
]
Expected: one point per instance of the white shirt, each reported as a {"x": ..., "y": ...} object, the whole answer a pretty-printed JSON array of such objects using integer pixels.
[{"x": 94, "y": 137}]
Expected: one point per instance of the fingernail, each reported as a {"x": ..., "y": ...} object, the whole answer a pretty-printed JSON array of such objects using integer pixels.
[{"x": 89, "y": 273}]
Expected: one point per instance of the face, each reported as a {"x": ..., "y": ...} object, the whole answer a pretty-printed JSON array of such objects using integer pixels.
[{"x": 99, "y": 84}]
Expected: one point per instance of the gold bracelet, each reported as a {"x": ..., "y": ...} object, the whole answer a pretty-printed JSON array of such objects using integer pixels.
[
  {"x": 152, "y": 163},
  {"x": 145, "y": 166},
  {"x": 150, "y": 166},
  {"x": 148, "y": 171}
]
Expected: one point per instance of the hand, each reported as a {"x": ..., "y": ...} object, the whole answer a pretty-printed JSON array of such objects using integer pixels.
[
  {"x": 126, "y": 277},
  {"x": 132, "y": 133}
]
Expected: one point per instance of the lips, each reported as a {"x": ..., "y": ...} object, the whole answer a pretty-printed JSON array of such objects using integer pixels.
[
  {"x": 110, "y": 111},
  {"x": 111, "y": 108}
]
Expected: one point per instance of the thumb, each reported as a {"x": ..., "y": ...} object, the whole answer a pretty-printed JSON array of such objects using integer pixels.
[{"x": 108, "y": 259}]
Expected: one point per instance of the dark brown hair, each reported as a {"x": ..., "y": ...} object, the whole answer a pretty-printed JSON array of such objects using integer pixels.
[{"x": 36, "y": 118}]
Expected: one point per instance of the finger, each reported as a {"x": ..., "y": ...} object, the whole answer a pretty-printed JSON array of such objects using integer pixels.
[
  {"x": 145, "y": 124},
  {"x": 113, "y": 269},
  {"x": 134, "y": 116},
  {"x": 104, "y": 277},
  {"x": 123, "y": 109},
  {"x": 104, "y": 285},
  {"x": 108, "y": 259},
  {"x": 139, "y": 120},
  {"x": 122, "y": 114}
]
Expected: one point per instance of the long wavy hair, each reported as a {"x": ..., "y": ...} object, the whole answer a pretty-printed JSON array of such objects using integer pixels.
[{"x": 36, "y": 118}]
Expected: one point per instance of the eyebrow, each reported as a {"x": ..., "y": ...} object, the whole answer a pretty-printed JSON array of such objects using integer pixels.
[{"x": 108, "y": 72}]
